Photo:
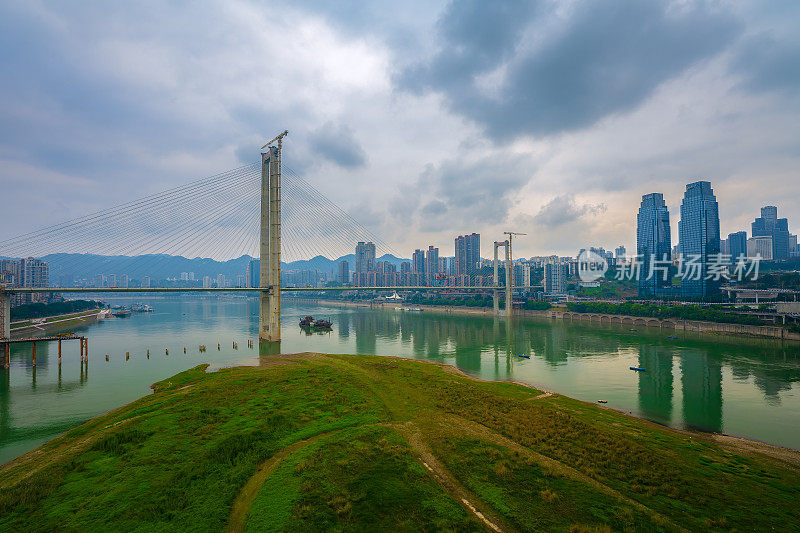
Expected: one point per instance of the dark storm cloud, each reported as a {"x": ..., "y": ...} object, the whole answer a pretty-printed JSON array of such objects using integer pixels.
[
  {"x": 464, "y": 193},
  {"x": 337, "y": 144},
  {"x": 564, "y": 210},
  {"x": 769, "y": 64},
  {"x": 598, "y": 59}
]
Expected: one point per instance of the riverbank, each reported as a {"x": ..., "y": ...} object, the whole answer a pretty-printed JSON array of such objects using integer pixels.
[
  {"x": 556, "y": 313},
  {"x": 56, "y": 323},
  {"x": 311, "y": 441}
]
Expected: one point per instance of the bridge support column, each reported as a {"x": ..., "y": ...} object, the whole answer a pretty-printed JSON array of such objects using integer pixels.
[
  {"x": 509, "y": 281},
  {"x": 496, "y": 290},
  {"x": 5, "y": 314},
  {"x": 269, "y": 318}
]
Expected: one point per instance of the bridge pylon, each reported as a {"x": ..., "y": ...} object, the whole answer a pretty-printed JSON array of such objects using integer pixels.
[
  {"x": 269, "y": 301},
  {"x": 5, "y": 313}
]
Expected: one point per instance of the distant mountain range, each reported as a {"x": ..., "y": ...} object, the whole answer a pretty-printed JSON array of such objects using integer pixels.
[{"x": 162, "y": 266}]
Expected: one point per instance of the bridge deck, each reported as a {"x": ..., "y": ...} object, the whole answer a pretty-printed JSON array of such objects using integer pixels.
[
  {"x": 43, "y": 339},
  {"x": 28, "y": 290}
]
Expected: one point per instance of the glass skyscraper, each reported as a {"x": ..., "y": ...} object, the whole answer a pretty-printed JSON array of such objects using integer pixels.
[
  {"x": 737, "y": 245},
  {"x": 698, "y": 232},
  {"x": 653, "y": 239},
  {"x": 769, "y": 225}
]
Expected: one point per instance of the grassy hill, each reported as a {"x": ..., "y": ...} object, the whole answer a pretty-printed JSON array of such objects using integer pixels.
[{"x": 312, "y": 442}]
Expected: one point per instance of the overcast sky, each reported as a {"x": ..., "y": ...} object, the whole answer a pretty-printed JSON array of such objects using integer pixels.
[{"x": 424, "y": 121}]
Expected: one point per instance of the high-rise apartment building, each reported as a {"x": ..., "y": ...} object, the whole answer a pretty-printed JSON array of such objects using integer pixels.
[
  {"x": 365, "y": 257},
  {"x": 431, "y": 264},
  {"x": 555, "y": 277},
  {"x": 34, "y": 273},
  {"x": 343, "y": 275},
  {"x": 467, "y": 254},
  {"x": 653, "y": 241},
  {"x": 145, "y": 282},
  {"x": 699, "y": 239},
  {"x": 620, "y": 254},
  {"x": 221, "y": 283},
  {"x": 418, "y": 262},
  {"x": 252, "y": 273}
]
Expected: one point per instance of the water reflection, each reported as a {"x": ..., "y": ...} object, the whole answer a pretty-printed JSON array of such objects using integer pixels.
[
  {"x": 737, "y": 385},
  {"x": 655, "y": 385}
]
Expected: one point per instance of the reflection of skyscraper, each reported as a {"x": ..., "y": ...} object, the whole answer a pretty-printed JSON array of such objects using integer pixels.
[
  {"x": 701, "y": 383},
  {"x": 653, "y": 239},
  {"x": 699, "y": 238},
  {"x": 655, "y": 385}
]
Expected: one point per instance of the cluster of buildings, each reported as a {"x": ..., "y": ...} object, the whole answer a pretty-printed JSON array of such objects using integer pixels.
[
  {"x": 28, "y": 272},
  {"x": 426, "y": 267},
  {"x": 699, "y": 238}
]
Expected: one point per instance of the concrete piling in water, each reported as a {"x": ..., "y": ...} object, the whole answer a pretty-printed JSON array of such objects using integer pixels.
[
  {"x": 7, "y": 355},
  {"x": 59, "y": 351}
]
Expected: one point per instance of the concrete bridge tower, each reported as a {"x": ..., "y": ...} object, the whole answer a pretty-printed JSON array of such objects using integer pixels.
[{"x": 269, "y": 301}]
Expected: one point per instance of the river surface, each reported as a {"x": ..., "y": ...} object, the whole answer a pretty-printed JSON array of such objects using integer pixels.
[{"x": 740, "y": 386}]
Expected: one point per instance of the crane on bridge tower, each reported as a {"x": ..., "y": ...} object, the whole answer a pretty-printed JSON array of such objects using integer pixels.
[
  {"x": 269, "y": 301},
  {"x": 509, "y": 288}
]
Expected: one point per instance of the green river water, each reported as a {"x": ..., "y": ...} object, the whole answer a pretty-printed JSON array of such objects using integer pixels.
[{"x": 739, "y": 386}]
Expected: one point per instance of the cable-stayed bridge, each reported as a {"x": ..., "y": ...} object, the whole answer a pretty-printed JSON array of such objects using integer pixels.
[{"x": 264, "y": 210}]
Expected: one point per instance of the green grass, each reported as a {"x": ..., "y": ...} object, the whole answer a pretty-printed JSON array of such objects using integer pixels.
[
  {"x": 365, "y": 478},
  {"x": 350, "y": 434}
]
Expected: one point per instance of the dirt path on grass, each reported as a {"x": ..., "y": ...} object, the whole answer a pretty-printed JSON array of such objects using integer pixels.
[
  {"x": 484, "y": 433},
  {"x": 448, "y": 482},
  {"x": 240, "y": 510},
  {"x": 413, "y": 435}
]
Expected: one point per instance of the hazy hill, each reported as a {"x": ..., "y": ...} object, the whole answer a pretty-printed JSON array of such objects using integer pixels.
[{"x": 161, "y": 266}]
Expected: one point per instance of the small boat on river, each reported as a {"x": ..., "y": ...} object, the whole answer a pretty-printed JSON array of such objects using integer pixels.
[
  {"x": 638, "y": 369},
  {"x": 308, "y": 322}
]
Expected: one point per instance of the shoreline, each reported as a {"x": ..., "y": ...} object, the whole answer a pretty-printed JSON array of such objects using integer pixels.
[
  {"x": 666, "y": 324},
  {"x": 742, "y": 443},
  {"x": 67, "y": 320},
  {"x": 772, "y": 450}
]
